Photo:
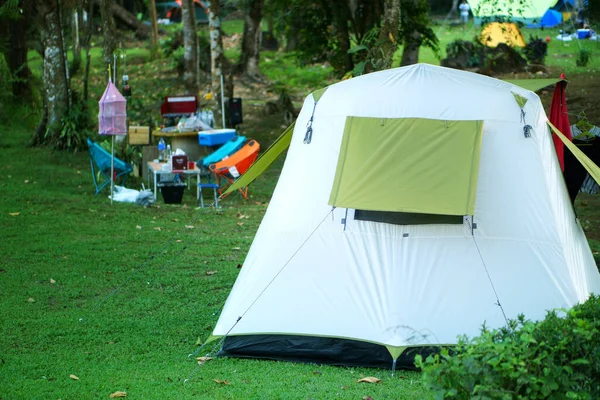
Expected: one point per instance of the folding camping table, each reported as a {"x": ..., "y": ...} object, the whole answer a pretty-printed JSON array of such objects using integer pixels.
[{"x": 155, "y": 169}]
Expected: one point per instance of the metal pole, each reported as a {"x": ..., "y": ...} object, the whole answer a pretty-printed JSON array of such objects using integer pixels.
[
  {"x": 222, "y": 102},
  {"x": 112, "y": 168}
]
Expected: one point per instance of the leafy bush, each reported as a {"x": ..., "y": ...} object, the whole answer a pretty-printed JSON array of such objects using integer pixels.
[
  {"x": 75, "y": 126},
  {"x": 536, "y": 50},
  {"x": 557, "y": 358},
  {"x": 583, "y": 58}
]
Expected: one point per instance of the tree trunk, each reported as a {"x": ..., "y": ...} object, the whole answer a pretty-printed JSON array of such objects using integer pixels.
[
  {"x": 76, "y": 28},
  {"x": 216, "y": 55},
  {"x": 381, "y": 55},
  {"x": 415, "y": 27},
  {"x": 56, "y": 84},
  {"x": 190, "y": 44},
  {"x": 142, "y": 31},
  {"x": 15, "y": 33},
  {"x": 108, "y": 32},
  {"x": 87, "y": 43},
  {"x": 454, "y": 10},
  {"x": 250, "y": 57},
  {"x": 410, "y": 54},
  {"x": 154, "y": 24},
  {"x": 341, "y": 16}
]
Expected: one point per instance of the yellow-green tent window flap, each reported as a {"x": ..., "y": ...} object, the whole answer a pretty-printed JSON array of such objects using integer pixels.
[{"x": 408, "y": 165}]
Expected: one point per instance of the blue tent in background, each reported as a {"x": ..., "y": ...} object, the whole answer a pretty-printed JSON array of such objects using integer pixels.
[{"x": 550, "y": 19}]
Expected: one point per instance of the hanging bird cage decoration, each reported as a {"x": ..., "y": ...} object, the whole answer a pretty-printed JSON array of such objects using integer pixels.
[{"x": 112, "y": 118}]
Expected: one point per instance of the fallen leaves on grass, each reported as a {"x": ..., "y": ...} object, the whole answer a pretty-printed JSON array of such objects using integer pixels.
[
  {"x": 30, "y": 300},
  {"x": 367, "y": 398},
  {"x": 242, "y": 216},
  {"x": 189, "y": 226},
  {"x": 52, "y": 280},
  {"x": 202, "y": 360},
  {"x": 369, "y": 379},
  {"x": 118, "y": 394},
  {"x": 138, "y": 227},
  {"x": 211, "y": 272},
  {"x": 74, "y": 377},
  {"x": 14, "y": 214},
  {"x": 222, "y": 382}
]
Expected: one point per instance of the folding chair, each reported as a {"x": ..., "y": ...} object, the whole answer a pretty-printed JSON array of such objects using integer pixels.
[
  {"x": 225, "y": 150},
  {"x": 228, "y": 170},
  {"x": 100, "y": 161}
]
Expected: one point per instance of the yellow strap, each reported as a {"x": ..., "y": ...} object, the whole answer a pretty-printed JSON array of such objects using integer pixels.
[{"x": 588, "y": 164}]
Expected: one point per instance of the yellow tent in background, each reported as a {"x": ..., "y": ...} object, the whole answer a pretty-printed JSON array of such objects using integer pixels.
[{"x": 501, "y": 32}]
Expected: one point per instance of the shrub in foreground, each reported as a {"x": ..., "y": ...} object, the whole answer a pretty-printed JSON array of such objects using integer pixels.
[{"x": 556, "y": 358}]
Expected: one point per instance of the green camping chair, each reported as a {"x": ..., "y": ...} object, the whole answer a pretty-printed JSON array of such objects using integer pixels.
[{"x": 100, "y": 161}]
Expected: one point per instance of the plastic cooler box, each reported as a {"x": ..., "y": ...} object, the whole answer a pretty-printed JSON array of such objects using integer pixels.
[
  {"x": 215, "y": 137},
  {"x": 583, "y": 33}
]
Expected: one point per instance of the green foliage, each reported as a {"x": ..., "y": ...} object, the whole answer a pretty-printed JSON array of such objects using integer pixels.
[
  {"x": 557, "y": 358},
  {"x": 536, "y": 50},
  {"x": 583, "y": 57},
  {"x": 75, "y": 126},
  {"x": 123, "y": 150},
  {"x": 415, "y": 17},
  {"x": 10, "y": 9}
]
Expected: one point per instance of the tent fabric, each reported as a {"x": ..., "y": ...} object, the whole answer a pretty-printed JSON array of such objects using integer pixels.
[
  {"x": 560, "y": 118},
  {"x": 550, "y": 19},
  {"x": 495, "y": 33},
  {"x": 509, "y": 10},
  {"x": 434, "y": 164},
  {"x": 534, "y": 85},
  {"x": 314, "y": 271},
  {"x": 283, "y": 141}
]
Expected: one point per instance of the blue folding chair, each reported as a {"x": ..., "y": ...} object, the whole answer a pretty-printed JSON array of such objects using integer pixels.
[
  {"x": 226, "y": 150},
  {"x": 100, "y": 161}
]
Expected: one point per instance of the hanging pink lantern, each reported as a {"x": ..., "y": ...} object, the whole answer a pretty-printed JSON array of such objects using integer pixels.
[{"x": 112, "y": 118}]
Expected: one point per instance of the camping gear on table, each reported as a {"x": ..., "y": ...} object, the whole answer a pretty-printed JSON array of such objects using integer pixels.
[{"x": 415, "y": 204}]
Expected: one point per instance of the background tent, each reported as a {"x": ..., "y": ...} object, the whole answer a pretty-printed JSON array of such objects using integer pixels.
[
  {"x": 495, "y": 33},
  {"x": 424, "y": 217},
  {"x": 550, "y": 19},
  {"x": 527, "y": 12}
]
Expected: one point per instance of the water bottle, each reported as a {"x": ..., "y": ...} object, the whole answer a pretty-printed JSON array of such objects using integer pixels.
[{"x": 161, "y": 150}]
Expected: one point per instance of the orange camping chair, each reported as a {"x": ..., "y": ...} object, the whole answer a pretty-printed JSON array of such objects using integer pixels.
[{"x": 228, "y": 170}]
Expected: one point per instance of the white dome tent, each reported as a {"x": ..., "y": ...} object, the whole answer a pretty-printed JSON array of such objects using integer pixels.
[{"x": 420, "y": 203}]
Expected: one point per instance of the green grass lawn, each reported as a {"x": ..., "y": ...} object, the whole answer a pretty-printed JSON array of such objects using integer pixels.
[
  {"x": 119, "y": 295},
  {"x": 65, "y": 251}
]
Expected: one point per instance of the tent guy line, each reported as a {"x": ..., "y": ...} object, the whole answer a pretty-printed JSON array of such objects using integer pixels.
[
  {"x": 487, "y": 272},
  {"x": 222, "y": 339}
]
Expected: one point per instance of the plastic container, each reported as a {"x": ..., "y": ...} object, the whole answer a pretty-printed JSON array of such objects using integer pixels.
[
  {"x": 215, "y": 137},
  {"x": 172, "y": 192},
  {"x": 583, "y": 33},
  {"x": 162, "y": 146}
]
